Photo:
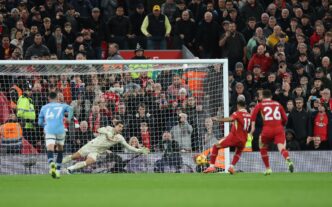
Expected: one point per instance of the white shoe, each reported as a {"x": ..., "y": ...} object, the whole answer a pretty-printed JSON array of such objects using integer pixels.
[{"x": 67, "y": 171}]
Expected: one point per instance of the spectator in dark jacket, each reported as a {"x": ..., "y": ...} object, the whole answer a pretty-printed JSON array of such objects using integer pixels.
[
  {"x": 298, "y": 121},
  {"x": 37, "y": 49},
  {"x": 171, "y": 156},
  {"x": 208, "y": 33},
  {"x": 119, "y": 28},
  {"x": 184, "y": 31}
]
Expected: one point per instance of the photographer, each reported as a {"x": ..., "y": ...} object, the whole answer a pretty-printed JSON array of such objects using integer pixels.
[
  {"x": 171, "y": 156},
  {"x": 182, "y": 133}
]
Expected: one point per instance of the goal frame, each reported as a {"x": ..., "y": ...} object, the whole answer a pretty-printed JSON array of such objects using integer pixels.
[{"x": 223, "y": 62}]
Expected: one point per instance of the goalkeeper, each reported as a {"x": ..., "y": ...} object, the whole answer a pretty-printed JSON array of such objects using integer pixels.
[{"x": 108, "y": 136}]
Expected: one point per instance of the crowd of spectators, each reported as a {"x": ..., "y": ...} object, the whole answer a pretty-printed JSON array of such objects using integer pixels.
[{"x": 283, "y": 45}]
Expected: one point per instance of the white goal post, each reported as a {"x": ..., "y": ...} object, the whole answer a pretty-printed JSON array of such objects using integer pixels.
[{"x": 13, "y": 71}]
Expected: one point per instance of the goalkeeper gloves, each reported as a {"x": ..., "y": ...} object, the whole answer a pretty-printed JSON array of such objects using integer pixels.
[{"x": 144, "y": 151}]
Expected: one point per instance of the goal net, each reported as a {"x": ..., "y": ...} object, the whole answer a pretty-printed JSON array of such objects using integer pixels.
[{"x": 166, "y": 106}]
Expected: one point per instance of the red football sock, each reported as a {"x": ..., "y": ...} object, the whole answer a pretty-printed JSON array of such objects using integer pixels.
[
  {"x": 214, "y": 154},
  {"x": 265, "y": 157},
  {"x": 236, "y": 156},
  {"x": 285, "y": 154}
]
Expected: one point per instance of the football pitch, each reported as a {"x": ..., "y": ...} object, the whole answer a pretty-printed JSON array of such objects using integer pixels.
[{"x": 167, "y": 190}]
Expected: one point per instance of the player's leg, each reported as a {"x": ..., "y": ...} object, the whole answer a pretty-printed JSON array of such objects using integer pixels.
[
  {"x": 91, "y": 158},
  {"x": 50, "y": 144},
  {"x": 263, "y": 148},
  {"x": 60, "y": 141},
  {"x": 223, "y": 143},
  {"x": 236, "y": 158},
  {"x": 281, "y": 144}
]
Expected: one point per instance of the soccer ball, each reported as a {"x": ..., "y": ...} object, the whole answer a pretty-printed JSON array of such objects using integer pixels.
[{"x": 201, "y": 160}]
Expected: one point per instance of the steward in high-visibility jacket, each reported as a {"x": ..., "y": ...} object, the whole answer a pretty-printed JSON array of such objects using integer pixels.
[
  {"x": 248, "y": 146},
  {"x": 26, "y": 110},
  {"x": 195, "y": 81},
  {"x": 220, "y": 159},
  {"x": 11, "y": 132}
]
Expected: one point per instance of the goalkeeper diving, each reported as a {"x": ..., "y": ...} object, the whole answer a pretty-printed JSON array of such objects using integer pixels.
[{"x": 108, "y": 136}]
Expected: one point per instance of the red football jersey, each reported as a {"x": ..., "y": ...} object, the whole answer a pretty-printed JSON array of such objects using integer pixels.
[
  {"x": 273, "y": 113},
  {"x": 241, "y": 124}
]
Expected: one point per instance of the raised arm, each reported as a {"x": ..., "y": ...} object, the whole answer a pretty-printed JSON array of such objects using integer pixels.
[
  {"x": 223, "y": 119},
  {"x": 127, "y": 146}
]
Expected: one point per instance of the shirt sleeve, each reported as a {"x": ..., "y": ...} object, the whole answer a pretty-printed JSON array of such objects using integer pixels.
[
  {"x": 283, "y": 115},
  {"x": 41, "y": 117},
  {"x": 255, "y": 112},
  {"x": 145, "y": 25},
  {"x": 167, "y": 25},
  {"x": 127, "y": 146}
]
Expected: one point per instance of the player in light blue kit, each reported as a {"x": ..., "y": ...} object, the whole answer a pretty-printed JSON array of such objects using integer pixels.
[{"x": 51, "y": 117}]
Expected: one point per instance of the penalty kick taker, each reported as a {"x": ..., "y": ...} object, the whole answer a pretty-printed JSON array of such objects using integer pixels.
[{"x": 108, "y": 136}]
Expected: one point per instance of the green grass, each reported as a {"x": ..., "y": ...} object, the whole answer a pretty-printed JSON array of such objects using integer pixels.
[{"x": 167, "y": 190}]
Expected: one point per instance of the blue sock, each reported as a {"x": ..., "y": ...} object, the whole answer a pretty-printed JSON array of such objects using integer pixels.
[
  {"x": 50, "y": 156},
  {"x": 59, "y": 160}
]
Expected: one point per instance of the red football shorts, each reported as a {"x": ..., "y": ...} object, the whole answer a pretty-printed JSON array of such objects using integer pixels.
[
  {"x": 232, "y": 141},
  {"x": 277, "y": 135}
]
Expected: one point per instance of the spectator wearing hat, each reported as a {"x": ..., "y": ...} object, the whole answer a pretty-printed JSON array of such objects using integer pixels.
[
  {"x": 235, "y": 17},
  {"x": 321, "y": 73},
  {"x": 299, "y": 72},
  {"x": 136, "y": 20},
  {"x": 184, "y": 31},
  {"x": 156, "y": 27},
  {"x": 139, "y": 53},
  {"x": 68, "y": 53},
  {"x": 262, "y": 58},
  {"x": 119, "y": 28},
  {"x": 291, "y": 143},
  {"x": 13, "y": 18},
  {"x": 308, "y": 66}
]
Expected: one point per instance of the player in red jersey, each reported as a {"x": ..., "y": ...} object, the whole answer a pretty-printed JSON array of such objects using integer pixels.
[
  {"x": 274, "y": 120},
  {"x": 236, "y": 138}
]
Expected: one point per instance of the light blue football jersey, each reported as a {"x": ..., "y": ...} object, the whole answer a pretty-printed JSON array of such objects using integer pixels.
[{"x": 51, "y": 117}]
